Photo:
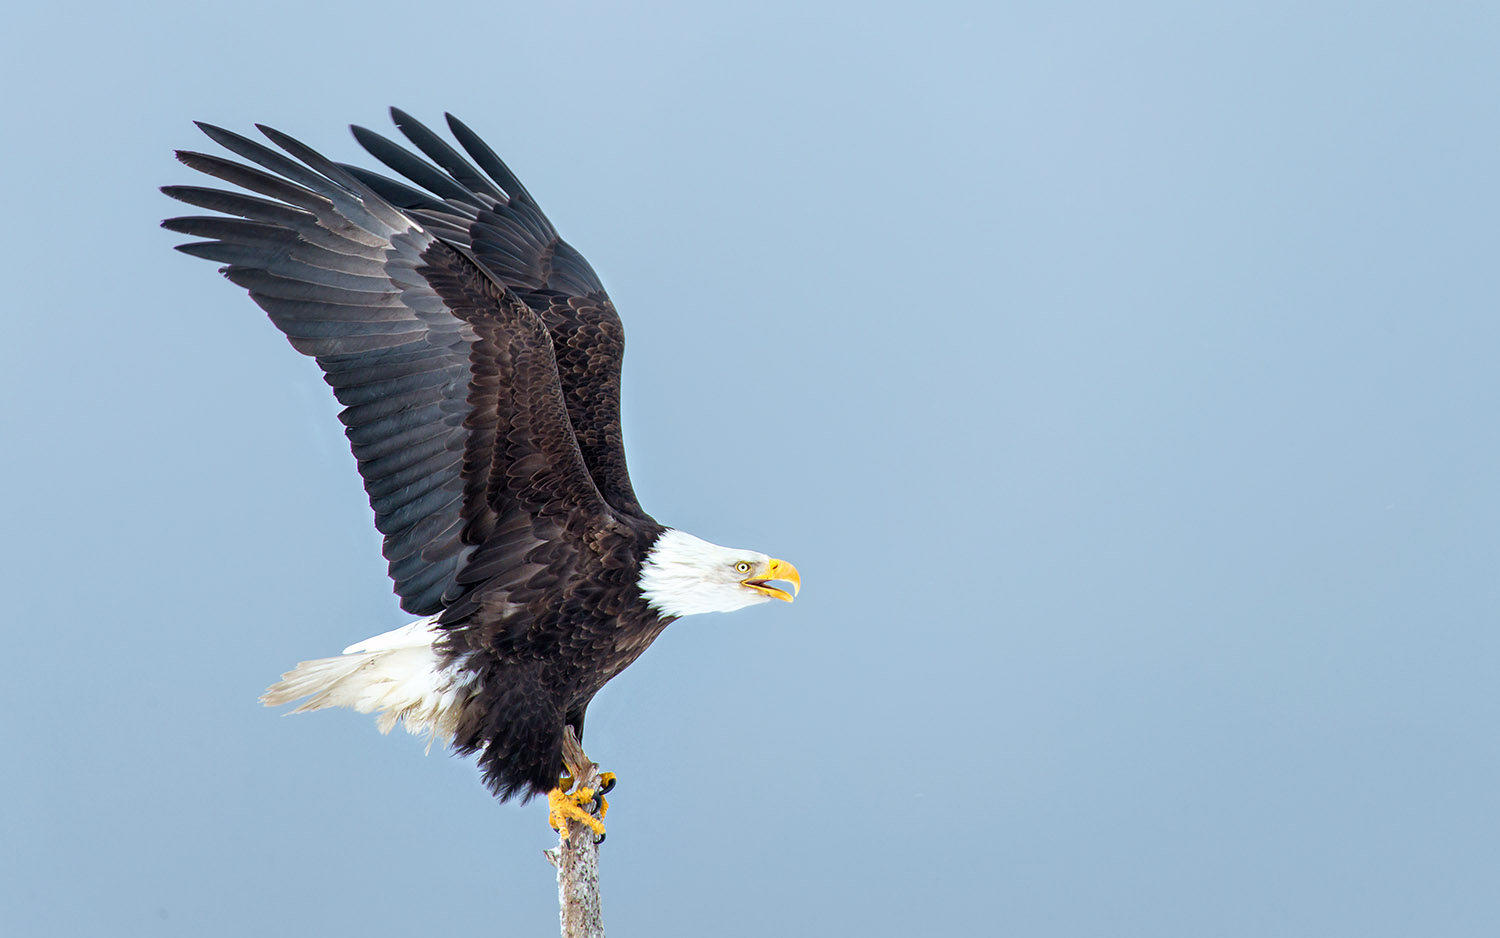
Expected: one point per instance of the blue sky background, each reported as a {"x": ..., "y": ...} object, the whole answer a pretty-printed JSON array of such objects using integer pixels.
[{"x": 1123, "y": 381}]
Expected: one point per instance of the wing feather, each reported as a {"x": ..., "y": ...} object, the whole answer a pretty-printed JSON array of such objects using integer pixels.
[
  {"x": 478, "y": 150},
  {"x": 448, "y": 381},
  {"x": 484, "y": 209},
  {"x": 411, "y": 166}
]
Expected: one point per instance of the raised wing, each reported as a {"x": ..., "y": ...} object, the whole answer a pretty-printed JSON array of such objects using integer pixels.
[
  {"x": 419, "y": 345},
  {"x": 487, "y": 211}
]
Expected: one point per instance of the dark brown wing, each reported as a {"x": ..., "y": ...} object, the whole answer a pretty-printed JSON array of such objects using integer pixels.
[
  {"x": 488, "y": 212},
  {"x": 453, "y": 404}
]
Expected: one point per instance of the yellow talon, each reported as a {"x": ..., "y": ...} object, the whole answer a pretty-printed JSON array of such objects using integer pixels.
[{"x": 561, "y": 806}]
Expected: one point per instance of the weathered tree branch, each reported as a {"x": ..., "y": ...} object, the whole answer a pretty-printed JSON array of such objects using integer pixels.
[{"x": 576, "y": 855}]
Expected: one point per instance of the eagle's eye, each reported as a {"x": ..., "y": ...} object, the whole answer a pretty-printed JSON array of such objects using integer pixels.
[{"x": 743, "y": 566}]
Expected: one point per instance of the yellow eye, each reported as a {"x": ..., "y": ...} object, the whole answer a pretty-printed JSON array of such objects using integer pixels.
[{"x": 742, "y": 566}]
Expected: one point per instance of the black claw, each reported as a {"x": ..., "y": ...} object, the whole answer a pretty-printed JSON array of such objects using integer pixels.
[
  {"x": 600, "y": 839},
  {"x": 608, "y": 786}
]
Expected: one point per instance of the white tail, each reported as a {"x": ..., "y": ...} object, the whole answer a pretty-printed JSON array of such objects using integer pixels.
[{"x": 397, "y": 674}]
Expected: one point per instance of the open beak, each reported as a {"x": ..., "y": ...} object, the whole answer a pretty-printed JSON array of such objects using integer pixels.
[{"x": 777, "y": 570}]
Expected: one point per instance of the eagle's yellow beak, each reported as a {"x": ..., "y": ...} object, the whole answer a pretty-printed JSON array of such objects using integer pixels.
[{"x": 777, "y": 570}]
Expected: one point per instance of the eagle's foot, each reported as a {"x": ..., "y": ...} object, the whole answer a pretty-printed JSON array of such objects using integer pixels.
[{"x": 579, "y": 806}]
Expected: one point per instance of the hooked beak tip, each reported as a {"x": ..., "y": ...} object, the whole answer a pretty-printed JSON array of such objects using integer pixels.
[{"x": 782, "y": 571}]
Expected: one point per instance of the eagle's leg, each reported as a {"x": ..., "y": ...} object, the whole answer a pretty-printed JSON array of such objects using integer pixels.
[
  {"x": 606, "y": 782},
  {"x": 586, "y": 804}
]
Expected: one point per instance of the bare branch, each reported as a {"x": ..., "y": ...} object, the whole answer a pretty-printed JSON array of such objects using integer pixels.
[{"x": 576, "y": 855}]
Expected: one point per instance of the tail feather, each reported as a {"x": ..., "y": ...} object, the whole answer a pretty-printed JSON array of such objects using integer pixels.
[{"x": 398, "y": 675}]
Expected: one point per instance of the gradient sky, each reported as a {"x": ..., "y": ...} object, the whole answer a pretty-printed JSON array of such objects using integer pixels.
[{"x": 1123, "y": 382}]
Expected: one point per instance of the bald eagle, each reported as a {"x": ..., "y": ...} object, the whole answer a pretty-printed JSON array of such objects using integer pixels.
[{"x": 477, "y": 359}]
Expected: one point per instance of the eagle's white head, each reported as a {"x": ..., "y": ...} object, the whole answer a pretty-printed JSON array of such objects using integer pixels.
[{"x": 685, "y": 575}]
